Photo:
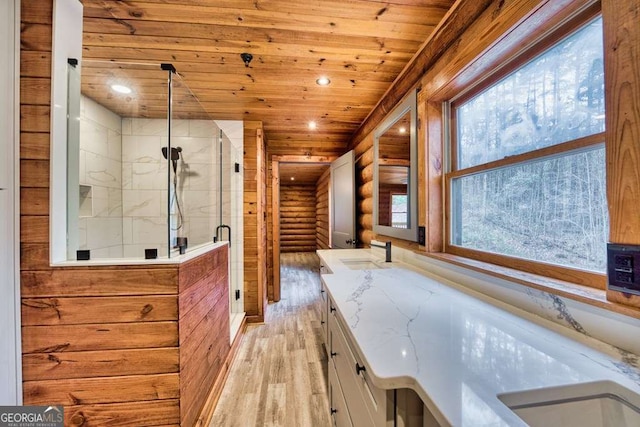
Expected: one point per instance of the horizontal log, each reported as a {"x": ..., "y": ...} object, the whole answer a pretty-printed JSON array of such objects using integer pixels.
[
  {"x": 34, "y": 146},
  {"x": 107, "y": 336},
  {"x": 83, "y": 364},
  {"x": 365, "y": 236},
  {"x": 88, "y": 391},
  {"x": 297, "y": 206},
  {"x": 366, "y": 174},
  {"x": 84, "y": 310},
  {"x": 366, "y": 221},
  {"x": 367, "y": 153},
  {"x": 35, "y": 91},
  {"x": 34, "y": 173},
  {"x": 154, "y": 413},
  {"x": 296, "y": 243},
  {"x": 366, "y": 190},
  {"x": 34, "y": 229},
  {"x": 298, "y": 214},
  {"x": 365, "y": 206},
  {"x": 295, "y": 231},
  {"x": 107, "y": 281},
  {"x": 34, "y": 256},
  {"x": 34, "y": 118},
  {"x": 34, "y": 201},
  {"x": 310, "y": 220},
  {"x": 35, "y": 64},
  {"x": 285, "y": 239},
  {"x": 35, "y": 37}
]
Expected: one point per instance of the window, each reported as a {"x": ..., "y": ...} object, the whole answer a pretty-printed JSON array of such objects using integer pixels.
[
  {"x": 528, "y": 174},
  {"x": 399, "y": 215}
]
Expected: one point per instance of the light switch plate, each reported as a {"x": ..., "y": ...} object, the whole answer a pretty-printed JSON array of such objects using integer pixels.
[{"x": 623, "y": 268}]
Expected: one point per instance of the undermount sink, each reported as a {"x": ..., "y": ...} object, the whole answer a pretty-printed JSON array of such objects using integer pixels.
[
  {"x": 595, "y": 404},
  {"x": 363, "y": 264}
]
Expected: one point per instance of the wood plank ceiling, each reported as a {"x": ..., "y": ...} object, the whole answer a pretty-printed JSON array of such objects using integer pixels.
[{"x": 360, "y": 45}]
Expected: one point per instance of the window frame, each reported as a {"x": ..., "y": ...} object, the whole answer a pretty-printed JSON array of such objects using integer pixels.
[
  {"x": 391, "y": 212},
  {"x": 537, "y": 47}
]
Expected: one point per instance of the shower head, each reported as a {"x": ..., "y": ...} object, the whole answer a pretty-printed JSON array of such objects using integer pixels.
[{"x": 175, "y": 152}]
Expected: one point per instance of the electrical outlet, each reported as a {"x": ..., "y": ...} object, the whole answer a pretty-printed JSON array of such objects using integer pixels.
[{"x": 622, "y": 263}]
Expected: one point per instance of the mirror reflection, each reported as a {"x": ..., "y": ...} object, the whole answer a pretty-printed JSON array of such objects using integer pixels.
[{"x": 394, "y": 159}]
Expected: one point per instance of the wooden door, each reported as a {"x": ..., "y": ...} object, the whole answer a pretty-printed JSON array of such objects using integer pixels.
[{"x": 343, "y": 202}]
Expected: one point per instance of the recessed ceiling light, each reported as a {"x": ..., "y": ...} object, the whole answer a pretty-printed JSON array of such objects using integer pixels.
[
  {"x": 121, "y": 89},
  {"x": 402, "y": 130},
  {"x": 293, "y": 179},
  {"x": 312, "y": 125},
  {"x": 323, "y": 81}
]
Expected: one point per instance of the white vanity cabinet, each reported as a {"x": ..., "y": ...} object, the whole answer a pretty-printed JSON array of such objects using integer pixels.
[
  {"x": 367, "y": 405},
  {"x": 324, "y": 312},
  {"x": 324, "y": 307},
  {"x": 353, "y": 399}
]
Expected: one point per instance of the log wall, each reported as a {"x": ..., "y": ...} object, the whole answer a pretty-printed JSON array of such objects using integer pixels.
[
  {"x": 297, "y": 218},
  {"x": 322, "y": 210},
  {"x": 114, "y": 345}
]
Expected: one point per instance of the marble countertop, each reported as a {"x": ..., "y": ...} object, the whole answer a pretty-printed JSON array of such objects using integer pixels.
[{"x": 456, "y": 351}]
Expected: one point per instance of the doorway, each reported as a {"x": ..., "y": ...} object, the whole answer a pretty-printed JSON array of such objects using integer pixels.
[{"x": 298, "y": 207}]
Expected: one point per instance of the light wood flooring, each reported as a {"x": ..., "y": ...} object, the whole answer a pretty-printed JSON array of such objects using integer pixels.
[{"x": 279, "y": 375}]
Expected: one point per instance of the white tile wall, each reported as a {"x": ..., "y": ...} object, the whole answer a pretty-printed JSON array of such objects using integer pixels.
[
  {"x": 144, "y": 180},
  {"x": 122, "y": 160},
  {"x": 101, "y": 168}
]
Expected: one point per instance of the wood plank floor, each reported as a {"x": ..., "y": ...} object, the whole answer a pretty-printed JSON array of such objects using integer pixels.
[{"x": 279, "y": 375}]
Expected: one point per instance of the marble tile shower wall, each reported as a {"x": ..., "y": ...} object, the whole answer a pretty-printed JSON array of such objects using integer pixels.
[
  {"x": 144, "y": 183},
  {"x": 100, "y": 177}
]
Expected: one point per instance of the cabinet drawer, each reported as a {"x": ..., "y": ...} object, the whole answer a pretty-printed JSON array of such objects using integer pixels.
[
  {"x": 367, "y": 404},
  {"x": 338, "y": 405}
]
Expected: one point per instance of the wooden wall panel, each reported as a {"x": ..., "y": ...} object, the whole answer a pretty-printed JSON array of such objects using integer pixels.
[
  {"x": 107, "y": 281},
  {"x": 148, "y": 413},
  {"x": 204, "y": 329},
  {"x": 73, "y": 311},
  {"x": 297, "y": 218},
  {"x": 322, "y": 210},
  {"x": 622, "y": 87},
  {"x": 102, "y": 390},
  {"x": 65, "y": 365},
  {"x": 98, "y": 336},
  {"x": 104, "y": 341},
  {"x": 255, "y": 235}
]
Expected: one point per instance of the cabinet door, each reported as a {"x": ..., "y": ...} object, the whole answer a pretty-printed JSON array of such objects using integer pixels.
[
  {"x": 338, "y": 406},
  {"x": 324, "y": 321},
  {"x": 345, "y": 365}
]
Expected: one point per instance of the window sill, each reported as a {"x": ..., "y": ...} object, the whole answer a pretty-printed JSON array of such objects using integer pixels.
[{"x": 572, "y": 291}]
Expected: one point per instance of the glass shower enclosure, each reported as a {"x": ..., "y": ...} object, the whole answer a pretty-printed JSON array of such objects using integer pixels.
[{"x": 150, "y": 174}]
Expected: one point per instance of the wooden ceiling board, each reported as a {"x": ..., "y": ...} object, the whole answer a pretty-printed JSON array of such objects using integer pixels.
[
  {"x": 303, "y": 173},
  {"x": 361, "y": 45}
]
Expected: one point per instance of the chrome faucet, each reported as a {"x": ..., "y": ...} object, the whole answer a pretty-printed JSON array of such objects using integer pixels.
[{"x": 387, "y": 248}]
